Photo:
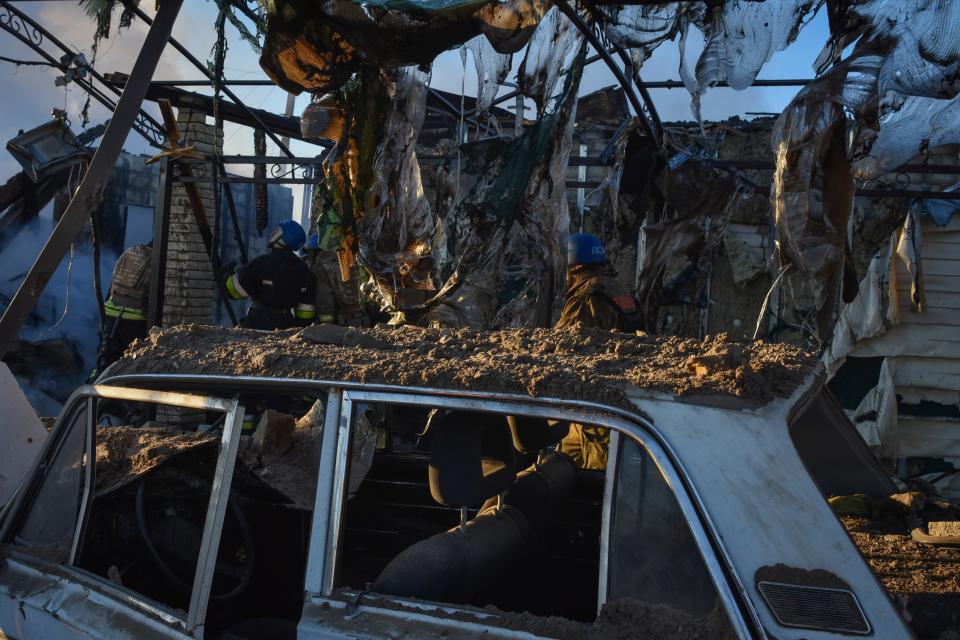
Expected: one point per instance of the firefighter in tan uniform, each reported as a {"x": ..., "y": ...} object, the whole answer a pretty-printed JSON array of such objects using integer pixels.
[
  {"x": 594, "y": 299},
  {"x": 126, "y": 306},
  {"x": 337, "y": 301}
]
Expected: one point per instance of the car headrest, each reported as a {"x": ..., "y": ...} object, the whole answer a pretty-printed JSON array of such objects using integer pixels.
[
  {"x": 531, "y": 435},
  {"x": 471, "y": 458}
]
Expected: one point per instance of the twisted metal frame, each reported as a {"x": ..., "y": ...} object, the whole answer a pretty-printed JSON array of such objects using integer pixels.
[{"x": 32, "y": 34}]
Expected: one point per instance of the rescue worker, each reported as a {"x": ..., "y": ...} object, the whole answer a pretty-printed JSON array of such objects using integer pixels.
[
  {"x": 280, "y": 285},
  {"x": 594, "y": 296},
  {"x": 337, "y": 301},
  {"x": 594, "y": 299},
  {"x": 126, "y": 305}
]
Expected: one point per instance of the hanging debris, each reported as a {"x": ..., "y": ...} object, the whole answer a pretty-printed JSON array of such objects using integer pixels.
[{"x": 492, "y": 70}]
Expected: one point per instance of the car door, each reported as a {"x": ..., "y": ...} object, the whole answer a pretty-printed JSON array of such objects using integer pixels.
[
  {"x": 44, "y": 592},
  {"x": 640, "y": 494}
]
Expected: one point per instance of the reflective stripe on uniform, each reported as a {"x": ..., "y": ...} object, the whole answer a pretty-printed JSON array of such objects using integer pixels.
[
  {"x": 125, "y": 313},
  {"x": 234, "y": 289},
  {"x": 325, "y": 318},
  {"x": 305, "y": 311}
]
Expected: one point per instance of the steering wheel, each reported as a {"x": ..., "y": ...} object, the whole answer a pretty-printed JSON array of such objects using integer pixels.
[{"x": 181, "y": 533}]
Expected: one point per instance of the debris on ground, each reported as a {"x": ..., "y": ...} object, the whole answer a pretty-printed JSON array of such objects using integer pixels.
[
  {"x": 926, "y": 577},
  {"x": 620, "y": 619},
  {"x": 573, "y": 362}
]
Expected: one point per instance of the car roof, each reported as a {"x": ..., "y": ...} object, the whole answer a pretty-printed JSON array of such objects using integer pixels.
[{"x": 572, "y": 363}]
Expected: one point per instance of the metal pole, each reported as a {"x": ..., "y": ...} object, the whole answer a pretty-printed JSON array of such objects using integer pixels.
[
  {"x": 158, "y": 257},
  {"x": 90, "y": 193}
]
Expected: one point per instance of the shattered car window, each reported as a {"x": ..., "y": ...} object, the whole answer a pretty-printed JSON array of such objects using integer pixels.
[
  {"x": 49, "y": 527},
  {"x": 655, "y": 567}
]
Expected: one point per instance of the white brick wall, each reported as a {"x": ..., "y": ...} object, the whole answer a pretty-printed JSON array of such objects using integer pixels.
[{"x": 189, "y": 288}]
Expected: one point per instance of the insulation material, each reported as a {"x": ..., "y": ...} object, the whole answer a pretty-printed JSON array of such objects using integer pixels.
[
  {"x": 548, "y": 53},
  {"x": 812, "y": 194},
  {"x": 919, "y": 123},
  {"x": 641, "y": 26},
  {"x": 510, "y": 231},
  {"x": 492, "y": 70},
  {"x": 739, "y": 38}
]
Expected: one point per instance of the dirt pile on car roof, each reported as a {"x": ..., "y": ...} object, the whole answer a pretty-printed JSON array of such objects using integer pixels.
[{"x": 576, "y": 363}]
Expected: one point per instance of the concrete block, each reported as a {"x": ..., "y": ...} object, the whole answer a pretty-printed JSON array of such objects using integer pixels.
[{"x": 947, "y": 528}]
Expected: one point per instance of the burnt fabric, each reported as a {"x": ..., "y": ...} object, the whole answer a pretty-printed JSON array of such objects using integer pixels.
[
  {"x": 130, "y": 284},
  {"x": 278, "y": 280},
  {"x": 596, "y": 299},
  {"x": 813, "y": 188}
]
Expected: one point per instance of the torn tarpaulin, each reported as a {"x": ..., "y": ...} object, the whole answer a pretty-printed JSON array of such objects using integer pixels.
[
  {"x": 492, "y": 70},
  {"x": 510, "y": 230},
  {"x": 548, "y": 55},
  {"x": 740, "y": 37},
  {"x": 375, "y": 178},
  {"x": 812, "y": 194}
]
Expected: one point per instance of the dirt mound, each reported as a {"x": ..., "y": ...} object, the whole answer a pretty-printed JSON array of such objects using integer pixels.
[{"x": 577, "y": 363}]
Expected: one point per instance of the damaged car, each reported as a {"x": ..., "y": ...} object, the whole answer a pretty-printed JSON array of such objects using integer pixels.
[{"x": 418, "y": 483}]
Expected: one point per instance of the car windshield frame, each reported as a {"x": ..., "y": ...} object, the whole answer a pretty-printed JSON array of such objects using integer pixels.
[{"x": 83, "y": 400}]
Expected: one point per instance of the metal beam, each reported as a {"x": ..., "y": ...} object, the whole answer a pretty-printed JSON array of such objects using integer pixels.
[
  {"x": 32, "y": 34},
  {"x": 226, "y": 90},
  {"x": 594, "y": 41},
  {"x": 777, "y": 82},
  {"x": 90, "y": 192},
  {"x": 229, "y": 111}
]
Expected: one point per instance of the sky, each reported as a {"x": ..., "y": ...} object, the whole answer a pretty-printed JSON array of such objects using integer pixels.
[{"x": 29, "y": 92}]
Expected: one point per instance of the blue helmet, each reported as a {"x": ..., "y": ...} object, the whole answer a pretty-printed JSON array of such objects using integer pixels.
[
  {"x": 312, "y": 243},
  {"x": 288, "y": 234},
  {"x": 585, "y": 248}
]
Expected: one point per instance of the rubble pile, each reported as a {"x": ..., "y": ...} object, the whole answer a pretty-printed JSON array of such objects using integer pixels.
[
  {"x": 579, "y": 363},
  {"x": 926, "y": 579}
]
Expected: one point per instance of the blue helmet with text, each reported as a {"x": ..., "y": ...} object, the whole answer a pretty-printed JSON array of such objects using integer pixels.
[{"x": 585, "y": 248}]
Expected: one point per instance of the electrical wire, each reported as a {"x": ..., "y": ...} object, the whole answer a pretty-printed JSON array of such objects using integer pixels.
[{"x": 28, "y": 63}]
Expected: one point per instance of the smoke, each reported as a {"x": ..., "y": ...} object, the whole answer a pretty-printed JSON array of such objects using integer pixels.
[{"x": 66, "y": 309}]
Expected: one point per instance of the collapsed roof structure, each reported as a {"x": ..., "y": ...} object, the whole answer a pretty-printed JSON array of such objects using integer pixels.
[{"x": 464, "y": 225}]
